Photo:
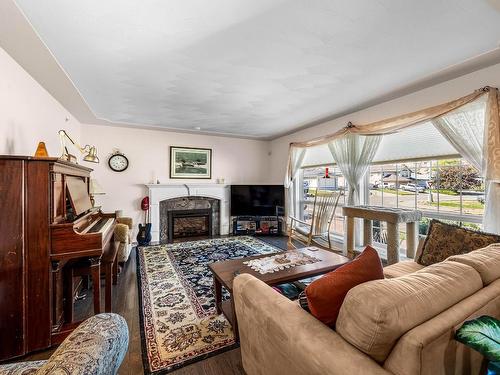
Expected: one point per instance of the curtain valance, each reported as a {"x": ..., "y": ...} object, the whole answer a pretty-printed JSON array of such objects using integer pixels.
[
  {"x": 398, "y": 123},
  {"x": 481, "y": 150},
  {"x": 492, "y": 137}
]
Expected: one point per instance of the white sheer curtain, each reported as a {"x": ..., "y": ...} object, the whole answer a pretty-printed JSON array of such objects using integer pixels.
[
  {"x": 491, "y": 219},
  {"x": 353, "y": 154},
  {"x": 295, "y": 161},
  {"x": 465, "y": 129}
]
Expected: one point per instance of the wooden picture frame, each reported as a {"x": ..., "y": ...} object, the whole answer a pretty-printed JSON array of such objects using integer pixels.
[{"x": 190, "y": 163}]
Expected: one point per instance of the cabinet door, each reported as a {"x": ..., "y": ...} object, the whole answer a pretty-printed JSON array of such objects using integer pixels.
[{"x": 11, "y": 259}]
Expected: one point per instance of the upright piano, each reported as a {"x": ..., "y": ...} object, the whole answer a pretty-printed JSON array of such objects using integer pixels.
[{"x": 47, "y": 223}]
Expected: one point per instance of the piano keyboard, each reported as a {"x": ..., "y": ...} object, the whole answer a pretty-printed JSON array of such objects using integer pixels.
[{"x": 101, "y": 226}]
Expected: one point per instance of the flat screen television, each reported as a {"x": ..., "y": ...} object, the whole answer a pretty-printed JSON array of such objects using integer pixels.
[{"x": 257, "y": 200}]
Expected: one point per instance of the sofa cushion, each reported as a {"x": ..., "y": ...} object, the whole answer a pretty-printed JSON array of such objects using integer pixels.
[
  {"x": 376, "y": 314},
  {"x": 325, "y": 295},
  {"x": 430, "y": 348},
  {"x": 445, "y": 240},
  {"x": 401, "y": 269},
  {"x": 485, "y": 261},
  {"x": 278, "y": 337}
]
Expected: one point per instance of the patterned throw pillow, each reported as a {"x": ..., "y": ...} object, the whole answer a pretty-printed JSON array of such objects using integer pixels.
[{"x": 444, "y": 240}]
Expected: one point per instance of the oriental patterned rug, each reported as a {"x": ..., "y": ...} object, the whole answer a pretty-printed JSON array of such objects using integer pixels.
[{"x": 179, "y": 323}]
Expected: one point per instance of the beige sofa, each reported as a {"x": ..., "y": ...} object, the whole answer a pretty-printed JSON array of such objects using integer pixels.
[{"x": 402, "y": 325}]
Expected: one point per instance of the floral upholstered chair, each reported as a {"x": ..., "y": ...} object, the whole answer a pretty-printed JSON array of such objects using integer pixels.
[{"x": 96, "y": 347}]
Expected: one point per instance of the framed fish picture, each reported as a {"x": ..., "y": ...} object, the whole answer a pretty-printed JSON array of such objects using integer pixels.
[{"x": 190, "y": 162}]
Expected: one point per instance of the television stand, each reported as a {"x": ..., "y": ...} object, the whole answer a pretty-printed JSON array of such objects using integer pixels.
[{"x": 257, "y": 225}]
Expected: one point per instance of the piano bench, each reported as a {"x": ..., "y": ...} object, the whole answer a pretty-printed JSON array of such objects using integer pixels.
[
  {"x": 109, "y": 261},
  {"x": 108, "y": 267}
]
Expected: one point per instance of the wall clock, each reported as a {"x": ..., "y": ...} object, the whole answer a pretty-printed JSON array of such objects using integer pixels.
[{"x": 118, "y": 162}]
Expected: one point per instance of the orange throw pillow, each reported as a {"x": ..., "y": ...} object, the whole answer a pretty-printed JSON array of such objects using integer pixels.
[{"x": 325, "y": 295}]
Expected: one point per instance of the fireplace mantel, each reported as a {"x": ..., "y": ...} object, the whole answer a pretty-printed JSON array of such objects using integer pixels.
[
  {"x": 160, "y": 192},
  {"x": 160, "y": 186}
]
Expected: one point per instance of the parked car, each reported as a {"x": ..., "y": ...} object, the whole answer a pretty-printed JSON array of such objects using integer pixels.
[
  {"x": 386, "y": 185},
  {"x": 413, "y": 187},
  {"x": 306, "y": 188}
]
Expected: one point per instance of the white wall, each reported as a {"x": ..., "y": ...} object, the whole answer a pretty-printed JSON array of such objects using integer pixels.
[
  {"x": 428, "y": 97},
  {"x": 235, "y": 160},
  {"x": 28, "y": 113}
]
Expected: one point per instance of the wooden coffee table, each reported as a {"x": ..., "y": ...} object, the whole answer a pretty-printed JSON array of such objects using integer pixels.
[{"x": 224, "y": 273}]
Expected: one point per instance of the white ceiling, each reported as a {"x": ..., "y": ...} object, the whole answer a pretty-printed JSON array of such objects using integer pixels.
[{"x": 257, "y": 68}]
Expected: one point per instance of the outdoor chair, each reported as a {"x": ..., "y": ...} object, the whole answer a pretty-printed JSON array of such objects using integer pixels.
[{"x": 324, "y": 206}]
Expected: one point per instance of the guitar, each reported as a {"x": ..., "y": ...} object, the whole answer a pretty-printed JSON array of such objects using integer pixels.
[{"x": 144, "y": 234}]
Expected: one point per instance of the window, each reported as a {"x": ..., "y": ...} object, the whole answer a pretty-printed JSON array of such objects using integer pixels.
[
  {"x": 314, "y": 180},
  {"x": 416, "y": 168},
  {"x": 449, "y": 189}
]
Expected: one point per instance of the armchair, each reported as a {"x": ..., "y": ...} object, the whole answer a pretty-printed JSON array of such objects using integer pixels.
[
  {"x": 123, "y": 234},
  {"x": 96, "y": 347}
]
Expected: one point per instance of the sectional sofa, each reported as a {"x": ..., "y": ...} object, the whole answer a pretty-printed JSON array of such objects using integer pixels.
[{"x": 402, "y": 325}]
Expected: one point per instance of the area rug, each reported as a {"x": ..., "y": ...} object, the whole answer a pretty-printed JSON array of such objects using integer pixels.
[{"x": 179, "y": 323}]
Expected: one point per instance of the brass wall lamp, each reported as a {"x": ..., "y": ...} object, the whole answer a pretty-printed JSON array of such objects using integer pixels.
[{"x": 89, "y": 152}]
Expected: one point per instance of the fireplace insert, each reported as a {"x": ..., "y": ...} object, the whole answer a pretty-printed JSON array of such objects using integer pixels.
[{"x": 189, "y": 223}]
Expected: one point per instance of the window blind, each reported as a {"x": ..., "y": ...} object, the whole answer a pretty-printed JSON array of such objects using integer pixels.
[{"x": 418, "y": 142}]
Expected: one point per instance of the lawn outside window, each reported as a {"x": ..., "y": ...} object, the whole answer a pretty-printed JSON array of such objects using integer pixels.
[{"x": 446, "y": 189}]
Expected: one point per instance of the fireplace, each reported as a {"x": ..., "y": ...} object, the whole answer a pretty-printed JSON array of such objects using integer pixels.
[
  {"x": 190, "y": 216},
  {"x": 189, "y": 223}
]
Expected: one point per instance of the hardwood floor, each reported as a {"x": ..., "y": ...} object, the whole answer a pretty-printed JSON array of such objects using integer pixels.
[{"x": 126, "y": 303}]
